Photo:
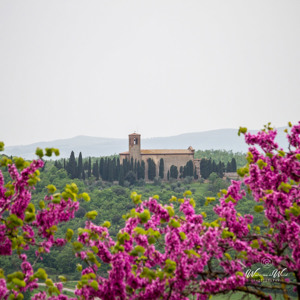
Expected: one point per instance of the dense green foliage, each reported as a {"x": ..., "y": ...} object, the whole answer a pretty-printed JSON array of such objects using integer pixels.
[{"x": 223, "y": 156}]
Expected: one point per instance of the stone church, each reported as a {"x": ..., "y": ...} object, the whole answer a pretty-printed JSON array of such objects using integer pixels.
[{"x": 176, "y": 157}]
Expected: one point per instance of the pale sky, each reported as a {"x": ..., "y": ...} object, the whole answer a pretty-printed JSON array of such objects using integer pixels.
[{"x": 109, "y": 68}]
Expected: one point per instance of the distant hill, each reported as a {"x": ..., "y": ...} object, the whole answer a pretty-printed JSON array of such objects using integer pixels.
[{"x": 222, "y": 139}]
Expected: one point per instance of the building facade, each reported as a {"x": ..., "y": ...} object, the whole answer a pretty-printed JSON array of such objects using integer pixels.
[{"x": 176, "y": 157}]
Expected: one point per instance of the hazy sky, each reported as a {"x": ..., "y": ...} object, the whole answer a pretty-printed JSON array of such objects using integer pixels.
[{"x": 108, "y": 68}]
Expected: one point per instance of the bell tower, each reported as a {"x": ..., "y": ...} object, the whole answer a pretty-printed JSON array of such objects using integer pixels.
[{"x": 135, "y": 146}]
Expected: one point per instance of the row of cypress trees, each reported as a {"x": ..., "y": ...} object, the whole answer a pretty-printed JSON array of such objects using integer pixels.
[
  {"x": 110, "y": 169},
  {"x": 208, "y": 166}
]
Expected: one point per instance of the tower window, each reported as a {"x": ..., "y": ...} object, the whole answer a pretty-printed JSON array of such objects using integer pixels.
[{"x": 135, "y": 141}]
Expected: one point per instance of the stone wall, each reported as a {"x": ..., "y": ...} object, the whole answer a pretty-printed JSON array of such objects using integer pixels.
[{"x": 177, "y": 160}]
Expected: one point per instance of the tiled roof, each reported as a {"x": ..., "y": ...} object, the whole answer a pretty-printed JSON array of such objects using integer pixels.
[
  {"x": 162, "y": 151},
  {"x": 166, "y": 151}
]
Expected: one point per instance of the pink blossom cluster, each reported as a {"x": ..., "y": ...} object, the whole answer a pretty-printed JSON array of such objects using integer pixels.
[
  {"x": 163, "y": 255},
  {"x": 168, "y": 256},
  {"x": 18, "y": 222}
]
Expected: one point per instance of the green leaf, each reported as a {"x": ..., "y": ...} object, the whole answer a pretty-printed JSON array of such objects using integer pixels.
[
  {"x": 51, "y": 188},
  {"x": 255, "y": 244},
  {"x": 1, "y": 146},
  {"x": 18, "y": 282},
  {"x": 29, "y": 217},
  {"x": 241, "y": 274},
  {"x": 137, "y": 250},
  {"x": 144, "y": 216},
  {"x": 85, "y": 197},
  {"x": 69, "y": 234},
  {"x": 170, "y": 266},
  {"x": 284, "y": 187},
  {"x": 48, "y": 152},
  {"x": 209, "y": 199},
  {"x": 77, "y": 246},
  {"x": 228, "y": 256},
  {"x": 261, "y": 164},
  {"x": 242, "y": 130},
  {"x": 151, "y": 240},
  {"x": 41, "y": 274},
  {"x": 174, "y": 223},
  {"x": 191, "y": 252},
  {"x": 56, "y": 151},
  {"x": 91, "y": 214},
  {"x": 122, "y": 237},
  {"x": 62, "y": 278},
  {"x": 39, "y": 152},
  {"x": 258, "y": 276},
  {"x": 14, "y": 221},
  {"x": 182, "y": 235},
  {"x": 295, "y": 210},
  {"x": 173, "y": 199},
  {"x": 49, "y": 282},
  {"x": 140, "y": 230},
  {"x": 94, "y": 284},
  {"x": 170, "y": 211},
  {"x": 136, "y": 198},
  {"x": 242, "y": 171},
  {"x": 230, "y": 199},
  {"x": 95, "y": 249},
  {"x": 106, "y": 224},
  {"x": 19, "y": 162},
  {"x": 192, "y": 202},
  {"x": 258, "y": 208},
  {"x": 226, "y": 234},
  {"x": 187, "y": 193}
]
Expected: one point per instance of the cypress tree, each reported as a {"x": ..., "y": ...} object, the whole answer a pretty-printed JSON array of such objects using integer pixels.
[
  {"x": 110, "y": 170},
  {"x": 118, "y": 166},
  {"x": 143, "y": 168},
  {"x": 135, "y": 167},
  {"x": 195, "y": 174},
  {"x": 228, "y": 167},
  {"x": 168, "y": 175},
  {"x": 125, "y": 166},
  {"x": 90, "y": 168},
  {"x": 121, "y": 176},
  {"x": 161, "y": 168},
  {"x": 233, "y": 165},
  {"x": 72, "y": 166},
  {"x": 131, "y": 164},
  {"x": 220, "y": 169},
  {"x": 105, "y": 169},
  {"x": 96, "y": 170},
  {"x": 203, "y": 168},
  {"x": 151, "y": 169},
  {"x": 189, "y": 168},
  {"x": 173, "y": 172},
  {"x": 80, "y": 166},
  {"x": 85, "y": 165},
  {"x": 101, "y": 167}
]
